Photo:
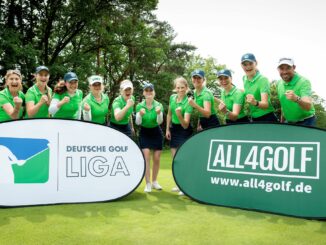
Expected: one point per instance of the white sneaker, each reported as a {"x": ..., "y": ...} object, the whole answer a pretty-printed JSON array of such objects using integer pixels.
[
  {"x": 175, "y": 189},
  {"x": 180, "y": 193},
  {"x": 156, "y": 185},
  {"x": 148, "y": 187}
]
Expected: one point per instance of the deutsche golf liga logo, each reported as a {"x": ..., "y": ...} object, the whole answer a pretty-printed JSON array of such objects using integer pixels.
[{"x": 24, "y": 160}]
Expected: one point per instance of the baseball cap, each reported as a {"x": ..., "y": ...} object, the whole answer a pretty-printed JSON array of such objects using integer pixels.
[
  {"x": 70, "y": 76},
  {"x": 126, "y": 84},
  {"x": 95, "y": 79},
  {"x": 248, "y": 57},
  {"x": 198, "y": 72},
  {"x": 148, "y": 85},
  {"x": 41, "y": 68},
  {"x": 285, "y": 61},
  {"x": 225, "y": 73}
]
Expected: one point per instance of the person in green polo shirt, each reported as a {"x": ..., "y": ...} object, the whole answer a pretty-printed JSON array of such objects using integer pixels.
[
  {"x": 178, "y": 128},
  {"x": 294, "y": 93},
  {"x": 11, "y": 97},
  {"x": 149, "y": 115},
  {"x": 96, "y": 104},
  {"x": 203, "y": 101},
  {"x": 257, "y": 91},
  {"x": 38, "y": 97},
  {"x": 232, "y": 102},
  {"x": 122, "y": 109},
  {"x": 67, "y": 103}
]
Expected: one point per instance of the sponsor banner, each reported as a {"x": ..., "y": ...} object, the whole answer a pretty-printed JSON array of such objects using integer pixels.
[
  {"x": 48, "y": 161},
  {"x": 276, "y": 168}
]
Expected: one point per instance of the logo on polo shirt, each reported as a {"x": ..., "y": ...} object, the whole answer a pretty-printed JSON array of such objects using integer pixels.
[{"x": 24, "y": 160}]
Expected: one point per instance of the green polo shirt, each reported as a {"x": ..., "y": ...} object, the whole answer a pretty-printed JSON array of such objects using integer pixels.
[
  {"x": 185, "y": 107},
  {"x": 69, "y": 110},
  {"x": 205, "y": 95},
  {"x": 235, "y": 96},
  {"x": 120, "y": 103},
  {"x": 34, "y": 94},
  {"x": 149, "y": 118},
  {"x": 5, "y": 98},
  {"x": 257, "y": 86},
  {"x": 99, "y": 110},
  {"x": 290, "y": 109}
]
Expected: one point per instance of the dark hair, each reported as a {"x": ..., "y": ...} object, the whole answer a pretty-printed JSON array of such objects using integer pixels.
[{"x": 60, "y": 87}]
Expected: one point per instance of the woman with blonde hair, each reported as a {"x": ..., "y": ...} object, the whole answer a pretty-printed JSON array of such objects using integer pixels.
[
  {"x": 178, "y": 128},
  {"x": 38, "y": 97},
  {"x": 96, "y": 104},
  {"x": 203, "y": 101},
  {"x": 122, "y": 109},
  {"x": 11, "y": 97}
]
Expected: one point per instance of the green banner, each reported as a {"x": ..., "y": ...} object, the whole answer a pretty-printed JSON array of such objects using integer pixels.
[{"x": 276, "y": 168}]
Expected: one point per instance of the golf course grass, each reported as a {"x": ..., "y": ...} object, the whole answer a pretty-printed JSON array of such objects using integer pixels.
[{"x": 161, "y": 217}]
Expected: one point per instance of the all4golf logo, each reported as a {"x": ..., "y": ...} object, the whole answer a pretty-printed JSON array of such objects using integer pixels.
[{"x": 24, "y": 160}]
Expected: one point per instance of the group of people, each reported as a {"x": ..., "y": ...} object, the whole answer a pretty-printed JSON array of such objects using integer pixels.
[{"x": 67, "y": 101}]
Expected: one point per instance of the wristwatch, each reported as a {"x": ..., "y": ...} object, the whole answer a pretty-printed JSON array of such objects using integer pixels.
[{"x": 298, "y": 99}]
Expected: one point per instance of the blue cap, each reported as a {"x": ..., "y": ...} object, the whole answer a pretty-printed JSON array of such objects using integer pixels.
[
  {"x": 41, "y": 68},
  {"x": 225, "y": 73},
  {"x": 70, "y": 76},
  {"x": 148, "y": 85},
  {"x": 248, "y": 57},
  {"x": 199, "y": 73}
]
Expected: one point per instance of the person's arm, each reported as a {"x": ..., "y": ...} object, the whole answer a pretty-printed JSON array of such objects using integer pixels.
[
  {"x": 120, "y": 113},
  {"x": 138, "y": 120},
  {"x": 87, "y": 112},
  {"x": 233, "y": 115},
  {"x": 56, "y": 104},
  {"x": 184, "y": 121},
  {"x": 13, "y": 112},
  {"x": 133, "y": 132},
  {"x": 32, "y": 108},
  {"x": 304, "y": 102},
  {"x": 262, "y": 104},
  {"x": 53, "y": 108},
  {"x": 168, "y": 124},
  {"x": 206, "y": 111},
  {"x": 159, "y": 113}
]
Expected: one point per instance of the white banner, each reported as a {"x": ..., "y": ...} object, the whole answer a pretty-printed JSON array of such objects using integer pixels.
[{"x": 47, "y": 161}]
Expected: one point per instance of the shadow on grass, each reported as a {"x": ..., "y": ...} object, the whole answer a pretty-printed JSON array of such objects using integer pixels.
[{"x": 150, "y": 204}]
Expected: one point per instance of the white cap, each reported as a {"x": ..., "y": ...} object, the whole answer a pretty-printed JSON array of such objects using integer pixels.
[
  {"x": 126, "y": 84},
  {"x": 285, "y": 61},
  {"x": 95, "y": 79}
]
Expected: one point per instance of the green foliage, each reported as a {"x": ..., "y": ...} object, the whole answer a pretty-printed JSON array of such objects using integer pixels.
[{"x": 320, "y": 104}]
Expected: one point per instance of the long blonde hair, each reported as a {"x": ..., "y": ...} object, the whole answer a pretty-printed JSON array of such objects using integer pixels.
[{"x": 181, "y": 80}]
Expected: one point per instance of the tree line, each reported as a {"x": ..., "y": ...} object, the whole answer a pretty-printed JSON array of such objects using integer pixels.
[{"x": 118, "y": 39}]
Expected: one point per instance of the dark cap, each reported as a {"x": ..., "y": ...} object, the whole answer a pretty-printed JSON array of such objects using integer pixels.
[
  {"x": 70, "y": 76},
  {"x": 148, "y": 85},
  {"x": 225, "y": 73},
  {"x": 41, "y": 68},
  {"x": 248, "y": 57},
  {"x": 198, "y": 72}
]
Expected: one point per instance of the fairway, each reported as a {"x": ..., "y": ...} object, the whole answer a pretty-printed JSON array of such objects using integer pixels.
[{"x": 161, "y": 217}]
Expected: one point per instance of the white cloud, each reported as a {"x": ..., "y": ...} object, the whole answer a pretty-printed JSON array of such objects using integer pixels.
[{"x": 270, "y": 29}]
